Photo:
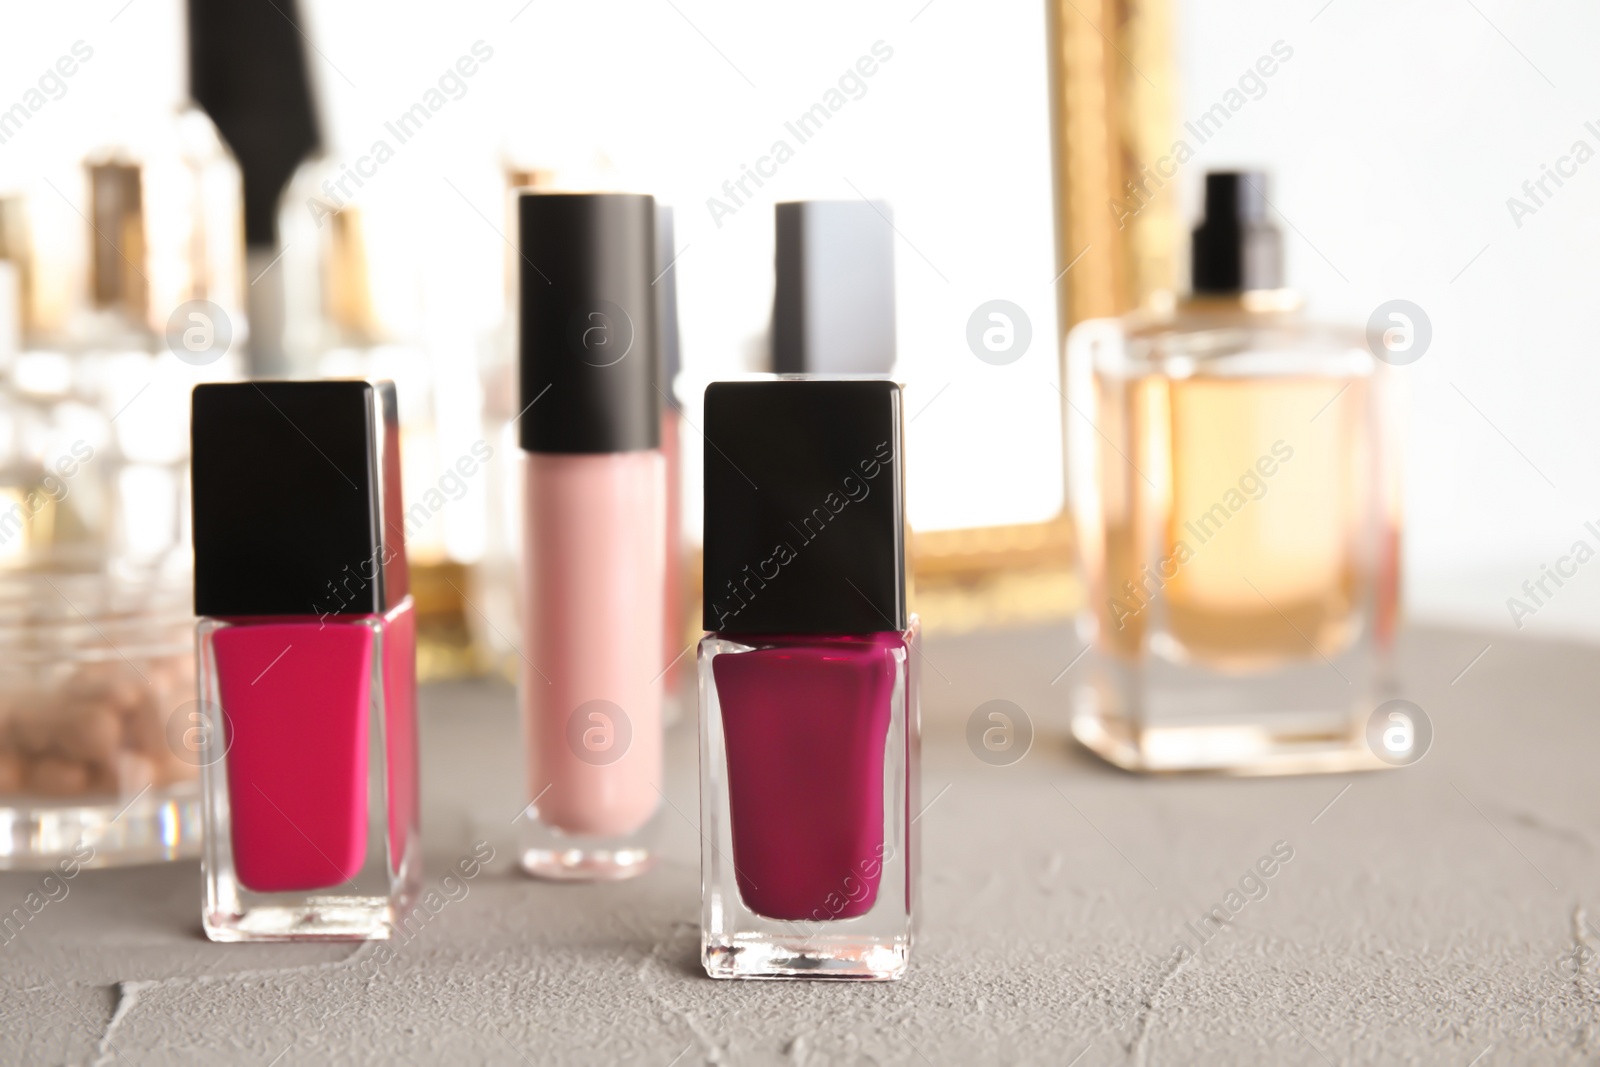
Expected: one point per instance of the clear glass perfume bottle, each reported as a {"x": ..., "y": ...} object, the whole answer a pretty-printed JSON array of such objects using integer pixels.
[
  {"x": 1234, "y": 482},
  {"x": 306, "y": 720},
  {"x": 808, "y": 686}
]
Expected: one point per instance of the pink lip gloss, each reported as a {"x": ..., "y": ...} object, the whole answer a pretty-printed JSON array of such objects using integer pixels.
[
  {"x": 594, "y": 529},
  {"x": 307, "y": 648},
  {"x": 808, "y": 684}
]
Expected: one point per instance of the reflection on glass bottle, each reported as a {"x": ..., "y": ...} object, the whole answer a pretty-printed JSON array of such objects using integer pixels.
[
  {"x": 117, "y": 209},
  {"x": 1234, "y": 485}
]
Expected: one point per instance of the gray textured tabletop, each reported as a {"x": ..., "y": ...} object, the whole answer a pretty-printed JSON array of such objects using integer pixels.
[{"x": 1445, "y": 913}]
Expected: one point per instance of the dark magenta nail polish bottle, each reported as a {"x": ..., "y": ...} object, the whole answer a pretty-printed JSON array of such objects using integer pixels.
[
  {"x": 808, "y": 683},
  {"x": 307, "y": 673}
]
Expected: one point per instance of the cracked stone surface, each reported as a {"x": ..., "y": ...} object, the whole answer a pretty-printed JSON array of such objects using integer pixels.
[{"x": 1447, "y": 913}]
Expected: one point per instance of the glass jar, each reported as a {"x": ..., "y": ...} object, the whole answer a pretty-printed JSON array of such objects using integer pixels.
[{"x": 99, "y": 730}]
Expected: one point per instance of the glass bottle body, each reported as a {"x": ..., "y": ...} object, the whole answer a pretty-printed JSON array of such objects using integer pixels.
[
  {"x": 594, "y": 563},
  {"x": 1234, "y": 486},
  {"x": 808, "y": 786},
  {"x": 309, "y": 775}
]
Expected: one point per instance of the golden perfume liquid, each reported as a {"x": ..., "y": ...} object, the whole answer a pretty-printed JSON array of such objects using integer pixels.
[{"x": 1232, "y": 486}]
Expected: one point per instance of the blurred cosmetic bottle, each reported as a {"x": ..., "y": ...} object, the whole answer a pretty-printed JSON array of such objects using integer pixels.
[
  {"x": 808, "y": 684},
  {"x": 122, "y": 285},
  {"x": 1234, "y": 481},
  {"x": 124, "y": 265},
  {"x": 675, "y": 634},
  {"x": 833, "y": 302},
  {"x": 307, "y": 645},
  {"x": 594, "y": 533}
]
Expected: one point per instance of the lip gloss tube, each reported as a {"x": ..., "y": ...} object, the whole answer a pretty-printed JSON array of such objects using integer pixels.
[
  {"x": 307, "y": 662},
  {"x": 809, "y": 728},
  {"x": 594, "y": 529}
]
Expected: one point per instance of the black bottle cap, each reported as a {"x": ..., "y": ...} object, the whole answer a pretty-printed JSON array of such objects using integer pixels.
[
  {"x": 833, "y": 307},
  {"x": 589, "y": 345},
  {"x": 1236, "y": 247},
  {"x": 667, "y": 297},
  {"x": 805, "y": 516},
  {"x": 296, "y": 498}
]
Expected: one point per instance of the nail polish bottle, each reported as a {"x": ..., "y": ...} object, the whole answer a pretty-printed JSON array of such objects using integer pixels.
[
  {"x": 594, "y": 529},
  {"x": 808, "y": 684},
  {"x": 1234, "y": 478},
  {"x": 307, "y": 661}
]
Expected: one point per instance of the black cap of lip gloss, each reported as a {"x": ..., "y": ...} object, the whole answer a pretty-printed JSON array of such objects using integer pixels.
[
  {"x": 805, "y": 513},
  {"x": 296, "y": 499},
  {"x": 590, "y": 357},
  {"x": 1236, "y": 247}
]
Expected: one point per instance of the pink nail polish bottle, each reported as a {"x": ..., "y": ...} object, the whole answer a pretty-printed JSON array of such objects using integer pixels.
[
  {"x": 808, "y": 684},
  {"x": 594, "y": 530},
  {"x": 307, "y": 672}
]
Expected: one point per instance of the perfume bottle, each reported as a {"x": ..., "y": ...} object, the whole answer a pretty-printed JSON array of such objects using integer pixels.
[
  {"x": 307, "y": 717},
  {"x": 808, "y": 684},
  {"x": 1234, "y": 482},
  {"x": 594, "y": 534}
]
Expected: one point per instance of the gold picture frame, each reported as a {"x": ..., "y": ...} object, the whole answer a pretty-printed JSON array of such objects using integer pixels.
[{"x": 1111, "y": 92}]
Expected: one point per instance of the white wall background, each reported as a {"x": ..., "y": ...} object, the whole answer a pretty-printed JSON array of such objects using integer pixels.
[{"x": 1395, "y": 135}]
